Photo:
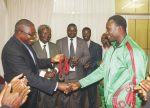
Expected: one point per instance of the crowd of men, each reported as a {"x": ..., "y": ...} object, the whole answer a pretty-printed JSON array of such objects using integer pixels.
[{"x": 51, "y": 75}]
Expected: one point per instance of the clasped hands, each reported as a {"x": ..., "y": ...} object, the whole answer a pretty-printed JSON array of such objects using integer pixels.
[
  {"x": 143, "y": 88},
  {"x": 68, "y": 87},
  {"x": 15, "y": 93}
]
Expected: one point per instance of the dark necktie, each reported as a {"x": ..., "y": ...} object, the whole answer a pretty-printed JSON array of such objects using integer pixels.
[
  {"x": 71, "y": 48},
  {"x": 44, "y": 51}
]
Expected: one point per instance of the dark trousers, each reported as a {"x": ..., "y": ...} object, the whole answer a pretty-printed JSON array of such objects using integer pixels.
[
  {"x": 91, "y": 91},
  {"x": 147, "y": 104},
  {"x": 71, "y": 100},
  {"x": 47, "y": 100},
  {"x": 31, "y": 100}
]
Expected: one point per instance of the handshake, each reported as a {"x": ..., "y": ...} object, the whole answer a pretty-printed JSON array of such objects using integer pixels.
[{"x": 68, "y": 87}]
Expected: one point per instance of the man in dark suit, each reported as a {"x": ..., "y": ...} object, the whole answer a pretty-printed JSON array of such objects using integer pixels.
[
  {"x": 19, "y": 57},
  {"x": 46, "y": 49},
  {"x": 76, "y": 49},
  {"x": 95, "y": 57}
]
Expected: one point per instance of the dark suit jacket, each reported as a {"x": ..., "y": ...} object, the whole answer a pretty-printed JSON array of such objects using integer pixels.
[
  {"x": 95, "y": 57},
  {"x": 16, "y": 59},
  {"x": 82, "y": 52}
]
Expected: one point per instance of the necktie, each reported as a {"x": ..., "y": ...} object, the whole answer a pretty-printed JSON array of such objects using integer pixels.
[
  {"x": 71, "y": 48},
  {"x": 44, "y": 51}
]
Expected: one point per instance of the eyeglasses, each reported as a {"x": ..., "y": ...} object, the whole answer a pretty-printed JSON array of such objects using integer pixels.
[{"x": 30, "y": 34}]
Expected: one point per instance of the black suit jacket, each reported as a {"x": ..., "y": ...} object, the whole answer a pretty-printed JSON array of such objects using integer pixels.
[
  {"x": 95, "y": 57},
  {"x": 16, "y": 59}
]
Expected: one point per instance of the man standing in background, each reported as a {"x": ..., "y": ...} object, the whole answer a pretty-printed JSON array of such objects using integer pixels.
[
  {"x": 95, "y": 57},
  {"x": 76, "y": 49},
  {"x": 46, "y": 49}
]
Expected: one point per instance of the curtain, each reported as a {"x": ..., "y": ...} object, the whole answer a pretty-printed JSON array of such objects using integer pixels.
[
  {"x": 37, "y": 11},
  {"x": 58, "y": 14},
  {"x": 91, "y": 13},
  {"x": 3, "y": 29}
]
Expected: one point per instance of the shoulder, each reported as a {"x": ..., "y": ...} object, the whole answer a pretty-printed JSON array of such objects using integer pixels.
[
  {"x": 62, "y": 39},
  {"x": 96, "y": 44},
  {"x": 36, "y": 44},
  {"x": 52, "y": 44}
]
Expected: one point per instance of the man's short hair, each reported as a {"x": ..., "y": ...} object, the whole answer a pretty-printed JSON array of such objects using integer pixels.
[
  {"x": 86, "y": 28},
  {"x": 71, "y": 25},
  {"x": 42, "y": 27},
  {"x": 119, "y": 20},
  {"x": 21, "y": 23}
]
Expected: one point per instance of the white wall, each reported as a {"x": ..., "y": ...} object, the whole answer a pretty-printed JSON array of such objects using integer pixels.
[{"x": 58, "y": 14}]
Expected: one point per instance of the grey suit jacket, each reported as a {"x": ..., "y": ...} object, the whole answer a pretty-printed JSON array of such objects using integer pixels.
[
  {"x": 53, "y": 49},
  {"x": 82, "y": 52}
]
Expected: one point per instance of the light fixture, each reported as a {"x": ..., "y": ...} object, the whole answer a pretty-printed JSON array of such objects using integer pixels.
[{"x": 133, "y": 4}]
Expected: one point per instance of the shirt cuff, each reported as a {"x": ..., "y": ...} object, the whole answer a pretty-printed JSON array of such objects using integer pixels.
[
  {"x": 56, "y": 86},
  {"x": 42, "y": 73},
  {"x": 56, "y": 69}
]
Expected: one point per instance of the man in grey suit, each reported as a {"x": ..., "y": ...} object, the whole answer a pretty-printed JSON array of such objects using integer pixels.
[
  {"x": 46, "y": 49},
  {"x": 75, "y": 49}
]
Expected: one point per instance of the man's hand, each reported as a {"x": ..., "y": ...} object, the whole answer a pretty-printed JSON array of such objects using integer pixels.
[
  {"x": 87, "y": 66},
  {"x": 144, "y": 88},
  {"x": 74, "y": 86},
  {"x": 15, "y": 93},
  {"x": 13, "y": 99},
  {"x": 66, "y": 88},
  {"x": 141, "y": 92},
  {"x": 51, "y": 74},
  {"x": 19, "y": 83},
  {"x": 57, "y": 58}
]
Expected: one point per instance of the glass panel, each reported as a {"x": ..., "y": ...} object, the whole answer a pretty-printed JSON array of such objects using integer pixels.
[
  {"x": 142, "y": 6},
  {"x": 131, "y": 28},
  {"x": 142, "y": 33}
]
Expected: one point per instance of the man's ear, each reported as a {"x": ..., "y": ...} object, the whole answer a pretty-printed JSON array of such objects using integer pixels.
[{"x": 120, "y": 29}]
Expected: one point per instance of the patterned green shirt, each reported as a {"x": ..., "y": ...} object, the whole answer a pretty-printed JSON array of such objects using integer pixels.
[{"x": 117, "y": 70}]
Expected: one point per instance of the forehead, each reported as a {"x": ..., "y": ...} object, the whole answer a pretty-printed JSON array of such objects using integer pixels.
[
  {"x": 29, "y": 28},
  {"x": 110, "y": 24},
  {"x": 86, "y": 31},
  {"x": 46, "y": 30},
  {"x": 71, "y": 27}
]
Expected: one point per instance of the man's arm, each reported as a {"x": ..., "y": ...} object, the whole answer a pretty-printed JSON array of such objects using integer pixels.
[
  {"x": 95, "y": 76},
  {"x": 86, "y": 54},
  {"x": 95, "y": 58},
  {"x": 48, "y": 63},
  {"x": 18, "y": 65}
]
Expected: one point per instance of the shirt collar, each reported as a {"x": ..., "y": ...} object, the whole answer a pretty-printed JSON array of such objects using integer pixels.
[
  {"x": 88, "y": 43},
  {"x": 127, "y": 37},
  {"x": 72, "y": 38},
  {"x": 42, "y": 44}
]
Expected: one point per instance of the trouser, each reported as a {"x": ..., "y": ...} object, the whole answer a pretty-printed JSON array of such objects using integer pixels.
[
  {"x": 47, "y": 100},
  {"x": 70, "y": 100},
  {"x": 92, "y": 96}
]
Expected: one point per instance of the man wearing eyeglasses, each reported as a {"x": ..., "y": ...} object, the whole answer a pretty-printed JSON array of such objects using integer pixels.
[{"x": 19, "y": 57}]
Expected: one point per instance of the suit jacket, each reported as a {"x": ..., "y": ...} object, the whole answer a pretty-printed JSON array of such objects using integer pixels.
[
  {"x": 16, "y": 59},
  {"x": 95, "y": 57},
  {"x": 82, "y": 52},
  {"x": 53, "y": 49},
  {"x": 40, "y": 54}
]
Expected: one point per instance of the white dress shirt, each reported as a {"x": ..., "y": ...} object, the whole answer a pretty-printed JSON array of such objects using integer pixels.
[{"x": 74, "y": 41}]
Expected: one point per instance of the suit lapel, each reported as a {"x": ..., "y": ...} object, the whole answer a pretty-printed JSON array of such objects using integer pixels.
[
  {"x": 91, "y": 46},
  {"x": 66, "y": 47},
  {"x": 51, "y": 50},
  {"x": 78, "y": 47},
  {"x": 21, "y": 45}
]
